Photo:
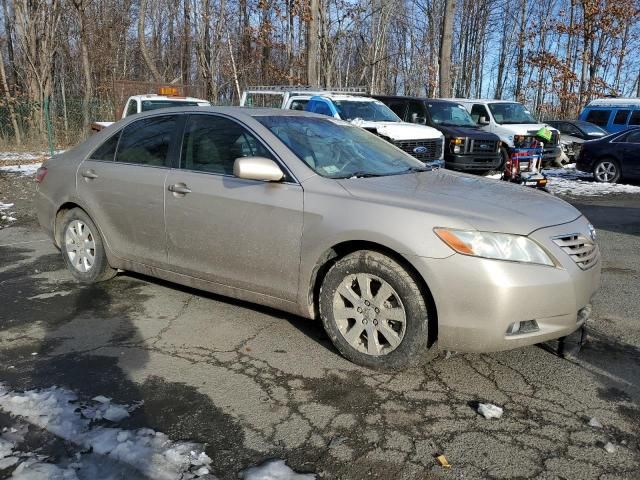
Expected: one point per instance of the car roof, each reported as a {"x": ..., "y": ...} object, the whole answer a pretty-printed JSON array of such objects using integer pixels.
[
  {"x": 419, "y": 99},
  {"x": 351, "y": 98},
  {"x": 479, "y": 100},
  {"x": 153, "y": 96}
]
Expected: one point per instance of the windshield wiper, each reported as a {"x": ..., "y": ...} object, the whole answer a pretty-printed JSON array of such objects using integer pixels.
[
  {"x": 360, "y": 174},
  {"x": 417, "y": 169}
]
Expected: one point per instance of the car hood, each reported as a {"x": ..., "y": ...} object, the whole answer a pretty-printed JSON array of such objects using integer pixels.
[
  {"x": 469, "y": 132},
  {"x": 399, "y": 130},
  {"x": 525, "y": 128},
  {"x": 461, "y": 199}
]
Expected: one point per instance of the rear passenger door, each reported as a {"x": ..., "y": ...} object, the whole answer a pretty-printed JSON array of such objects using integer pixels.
[{"x": 122, "y": 185}]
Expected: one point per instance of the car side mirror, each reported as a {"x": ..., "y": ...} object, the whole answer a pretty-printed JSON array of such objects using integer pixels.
[
  {"x": 483, "y": 121},
  {"x": 257, "y": 168},
  {"x": 416, "y": 119}
]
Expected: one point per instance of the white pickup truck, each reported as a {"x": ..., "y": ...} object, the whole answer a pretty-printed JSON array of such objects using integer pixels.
[
  {"x": 144, "y": 103},
  {"x": 353, "y": 105}
]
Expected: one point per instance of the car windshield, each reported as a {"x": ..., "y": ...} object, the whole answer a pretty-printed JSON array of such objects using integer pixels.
[
  {"x": 506, "y": 113},
  {"x": 157, "y": 104},
  {"x": 337, "y": 150},
  {"x": 591, "y": 129},
  {"x": 371, "y": 111},
  {"x": 450, "y": 114}
]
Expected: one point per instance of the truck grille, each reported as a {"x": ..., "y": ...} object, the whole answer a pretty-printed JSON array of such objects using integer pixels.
[
  {"x": 427, "y": 149},
  {"x": 581, "y": 249},
  {"x": 483, "y": 146}
]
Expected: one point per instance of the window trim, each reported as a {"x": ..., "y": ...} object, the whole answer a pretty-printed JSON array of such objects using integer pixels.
[
  {"x": 276, "y": 157},
  {"x": 113, "y": 160},
  {"x": 626, "y": 118}
]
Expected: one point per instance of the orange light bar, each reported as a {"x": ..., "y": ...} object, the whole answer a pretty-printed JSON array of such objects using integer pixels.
[{"x": 168, "y": 91}]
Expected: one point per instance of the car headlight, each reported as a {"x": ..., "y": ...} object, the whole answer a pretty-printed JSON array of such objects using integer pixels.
[{"x": 497, "y": 246}]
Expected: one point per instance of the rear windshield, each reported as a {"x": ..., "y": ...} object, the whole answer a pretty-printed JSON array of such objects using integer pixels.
[{"x": 157, "y": 104}]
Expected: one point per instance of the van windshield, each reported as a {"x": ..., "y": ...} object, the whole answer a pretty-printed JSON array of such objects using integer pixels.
[
  {"x": 450, "y": 115},
  {"x": 370, "y": 111},
  {"x": 510, "y": 113},
  {"x": 336, "y": 149}
]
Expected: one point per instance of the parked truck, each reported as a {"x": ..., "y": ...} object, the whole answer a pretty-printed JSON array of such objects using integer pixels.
[{"x": 143, "y": 103}]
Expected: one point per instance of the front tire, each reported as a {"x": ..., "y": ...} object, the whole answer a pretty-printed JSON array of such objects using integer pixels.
[
  {"x": 374, "y": 312},
  {"x": 606, "y": 170},
  {"x": 83, "y": 249}
]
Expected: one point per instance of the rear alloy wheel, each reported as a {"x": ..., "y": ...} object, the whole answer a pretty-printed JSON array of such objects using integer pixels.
[
  {"x": 374, "y": 311},
  {"x": 606, "y": 171},
  {"x": 83, "y": 249}
]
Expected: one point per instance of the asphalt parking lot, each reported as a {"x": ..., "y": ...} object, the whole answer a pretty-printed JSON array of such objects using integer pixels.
[{"x": 253, "y": 383}]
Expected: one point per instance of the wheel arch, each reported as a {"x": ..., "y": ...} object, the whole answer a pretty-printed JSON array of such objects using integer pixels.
[{"x": 339, "y": 250}]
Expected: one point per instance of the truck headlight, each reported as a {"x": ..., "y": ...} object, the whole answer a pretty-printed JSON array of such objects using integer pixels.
[
  {"x": 497, "y": 246},
  {"x": 456, "y": 149}
]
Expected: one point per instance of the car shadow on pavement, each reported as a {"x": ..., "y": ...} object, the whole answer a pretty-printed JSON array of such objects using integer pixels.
[
  {"x": 57, "y": 332},
  {"x": 613, "y": 218}
]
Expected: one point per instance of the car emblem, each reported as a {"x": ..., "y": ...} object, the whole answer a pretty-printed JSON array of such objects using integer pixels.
[
  {"x": 484, "y": 146},
  {"x": 420, "y": 150},
  {"x": 592, "y": 232}
]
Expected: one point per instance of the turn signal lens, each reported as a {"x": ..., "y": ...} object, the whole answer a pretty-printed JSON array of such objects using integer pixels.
[
  {"x": 40, "y": 174},
  {"x": 457, "y": 141}
]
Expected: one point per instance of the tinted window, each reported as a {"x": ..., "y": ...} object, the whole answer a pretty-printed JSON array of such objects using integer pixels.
[
  {"x": 398, "y": 108},
  {"x": 211, "y": 144},
  {"x": 621, "y": 117},
  {"x": 321, "y": 108},
  {"x": 107, "y": 150},
  {"x": 599, "y": 117},
  {"x": 157, "y": 104},
  {"x": 478, "y": 111},
  {"x": 635, "y": 118},
  {"x": 633, "y": 137},
  {"x": 299, "y": 105},
  {"x": 147, "y": 141},
  {"x": 132, "y": 108},
  {"x": 416, "y": 108}
]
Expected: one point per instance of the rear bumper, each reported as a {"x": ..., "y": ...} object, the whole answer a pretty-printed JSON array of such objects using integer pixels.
[
  {"x": 471, "y": 162},
  {"x": 479, "y": 300}
]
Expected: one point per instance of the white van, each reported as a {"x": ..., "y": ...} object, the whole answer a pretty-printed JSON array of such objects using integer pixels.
[{"x": 512, "y": 122}]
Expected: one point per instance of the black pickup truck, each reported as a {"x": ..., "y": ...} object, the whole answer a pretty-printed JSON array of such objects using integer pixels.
[{"x": 467, "y": 147}]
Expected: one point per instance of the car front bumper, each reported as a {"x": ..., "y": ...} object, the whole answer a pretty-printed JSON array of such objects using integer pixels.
[
  {"x": 551, "y": 154},
  {"x": 479, "y": 300},
  {"x": 471, "y": 162}
]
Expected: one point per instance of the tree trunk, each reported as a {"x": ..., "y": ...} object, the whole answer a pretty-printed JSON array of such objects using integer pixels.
[
  {"x": 313, "y": 44},
  {"x": 517, "y": 93},
  {"x": 445, "y": 48},
  {"x": 7, "y": 94},
  {"x": 143, "y": 47}
]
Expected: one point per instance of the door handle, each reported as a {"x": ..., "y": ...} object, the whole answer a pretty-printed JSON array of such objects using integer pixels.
[
  {"x": 89, "y": 174},
  {"x": 179, "y": 188}
]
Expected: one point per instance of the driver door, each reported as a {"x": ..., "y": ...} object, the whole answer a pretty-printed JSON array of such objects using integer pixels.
[{"x": 232, "y": 231}]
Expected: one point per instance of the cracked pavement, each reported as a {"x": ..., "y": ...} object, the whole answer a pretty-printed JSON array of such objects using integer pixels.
[{"x": 254, "y": 383}]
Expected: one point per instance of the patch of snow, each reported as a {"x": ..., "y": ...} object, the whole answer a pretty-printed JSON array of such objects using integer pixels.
[
  {"x": 44, "y": 296},
  {"x": 594, "y": 422},
  {"x": 569, "y": 181},
  {"x": 61, "y": 413},
  {"x": 27, "y": 169},
  {"x": 488, "y": 410},
  {"x": 274, "y": 470},
  {"x": 17, "y": 157}
]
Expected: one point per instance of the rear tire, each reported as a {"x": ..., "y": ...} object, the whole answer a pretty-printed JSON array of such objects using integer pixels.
[
  {"x": 374, "y": 312},
  {"x": 83, "y": 248},
  {"x": 606, "y": 170}
]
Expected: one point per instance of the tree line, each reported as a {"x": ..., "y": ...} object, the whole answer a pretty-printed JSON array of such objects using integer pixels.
[{"x": 554, "y": 55}]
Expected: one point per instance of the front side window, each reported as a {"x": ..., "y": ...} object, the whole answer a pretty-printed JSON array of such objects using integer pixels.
[
  {"x": 132, "y": 109},
  {"x": 478, "y": 111},
  {"x": 451, "y": 115},
  {"x": 336, "y": 149},
  {"x": 107, "y": 150},
  {"x": 599, "y": 117},
  {"x": 416, "y": 112},
  {"x": 621, "y": 117},
  {"x": 367, "y": 110},
  {"x": 635, "y": 118},
  {"x": 212, "y": 144},
  {"x": 147, "y": 141},
  {"x": 633, "y": 137},
  {"x": 398, "y": 108},
  {"x": 321, "y": 108},
  {"x": 510, "y": 113}
]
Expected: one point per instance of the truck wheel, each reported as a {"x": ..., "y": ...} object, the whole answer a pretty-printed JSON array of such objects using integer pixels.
[
  {"x": 83, "y": 249},
  {"x": 606, "y": 171},
  {"x": 374, "y": 312},
  {"x": 504, "y": 157}
]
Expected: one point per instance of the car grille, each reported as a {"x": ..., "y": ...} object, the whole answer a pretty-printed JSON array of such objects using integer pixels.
[
  {"x": 427, "y": 149},
  {"x": 483, "y": 146},
  {"x": 581, "y": 249}
]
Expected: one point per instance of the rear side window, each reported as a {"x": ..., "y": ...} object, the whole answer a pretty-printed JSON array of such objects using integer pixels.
[
  {"x": 212, "y": 144},
  {"x": 599, "y": 117},
  {"x": 132, "y": 108},
  {"x": 633, "y": 137},
  {"x": 621, "y": 117},
  {"x": 299, "y": 104},
  {"x": 107, "y": 150},
  {"x": 147, "y": 141},
  {"x": 635, "y": 118}
]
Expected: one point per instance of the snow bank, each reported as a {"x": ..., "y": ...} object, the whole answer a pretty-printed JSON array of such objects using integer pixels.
[
  {"x": 18, "y": 157},
  {"x": 274, "y": 470},
  {"x": 59, "y": 412},
  {"x": 27, "y": 170},
  {"x": 569, "y": 181},
  {"x": 5, "y": 214}
]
